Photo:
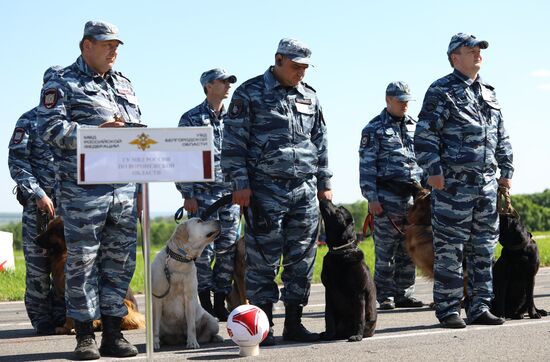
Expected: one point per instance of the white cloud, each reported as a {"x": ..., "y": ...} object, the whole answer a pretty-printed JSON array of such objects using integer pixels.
[
  {"x": 544, "y": 87},
  {"x": 541, "y": 73}
]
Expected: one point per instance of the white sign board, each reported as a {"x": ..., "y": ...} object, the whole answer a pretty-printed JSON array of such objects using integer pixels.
[
  {"x": 7, "y": 262},
  {"x": 121, "y": 155}
]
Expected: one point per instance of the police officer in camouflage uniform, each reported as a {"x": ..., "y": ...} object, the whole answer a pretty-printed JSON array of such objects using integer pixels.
[
  {"x": 31, "y": 167},
  {"x": 100, "y": 220},
  {"x": 275, "y": 154},
  {"x": 386, "y": 166},
  {"x": 460, "y": 141},
  {"x": 200, "y": 195}
]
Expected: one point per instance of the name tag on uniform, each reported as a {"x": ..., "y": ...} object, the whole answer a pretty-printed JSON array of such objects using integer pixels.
[
  {"x": 410, "y": 127},
  {"x": 303, "y": 108}
]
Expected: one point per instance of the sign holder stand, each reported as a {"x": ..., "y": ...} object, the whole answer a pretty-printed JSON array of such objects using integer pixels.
[{"x": 145, "y": 229}]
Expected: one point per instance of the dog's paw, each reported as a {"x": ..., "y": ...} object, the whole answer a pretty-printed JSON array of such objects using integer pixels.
[
  {"x": 216, "y": 338},
  {"x": 535, "y": 315},
  {"x": 542, "y": 312},
  {"x": 192, "y": 344},
  {"x": 356, "y": 338},
  {"x": 64, "y": 330},
  {"x": 326, "y": 336}
]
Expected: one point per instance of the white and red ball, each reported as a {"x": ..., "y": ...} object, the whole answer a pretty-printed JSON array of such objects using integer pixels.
[{"x": 247, "y": 325}]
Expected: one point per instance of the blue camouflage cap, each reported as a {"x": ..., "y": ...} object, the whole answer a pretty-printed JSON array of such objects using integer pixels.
[
  {"x": 399, "y": 90},
  {"x": 216, "y": 73},
  {"x": 463, "y": 39},
  {"x": 50, "y": 72},
  {"x": 295, "y": 50},
  {"x": 101, "y": 30}
]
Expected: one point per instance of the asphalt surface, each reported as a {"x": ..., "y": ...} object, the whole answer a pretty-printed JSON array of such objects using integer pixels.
[{"x": 401, "y": 335}]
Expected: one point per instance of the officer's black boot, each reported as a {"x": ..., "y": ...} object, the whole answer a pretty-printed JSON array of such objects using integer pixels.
[
  {"x": 86, "y": 348},
  {"x": 113, "y": 344},
  {"x": 294, "y": 330},
  {"x": 270, "y": 339},
  {"x": 206, "y": 302},
  {"x": 219, "y": 306}
]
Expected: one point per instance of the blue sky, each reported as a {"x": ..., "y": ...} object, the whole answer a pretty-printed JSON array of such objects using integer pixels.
[{"x": 358, "y": 48}]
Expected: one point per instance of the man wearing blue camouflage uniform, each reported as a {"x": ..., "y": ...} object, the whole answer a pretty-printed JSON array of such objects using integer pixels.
[
  {"x": 460, "y": 141},
  {"x": 31, "y": 166},
  {"x": 200, "y": 195},
  {"x": 387, "y": 169},
  {"x": 100, "y": 220},
  {"x": 275, "y": 154}
]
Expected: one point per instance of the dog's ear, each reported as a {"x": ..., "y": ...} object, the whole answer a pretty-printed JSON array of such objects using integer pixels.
[{"x": 181, "y": 233}]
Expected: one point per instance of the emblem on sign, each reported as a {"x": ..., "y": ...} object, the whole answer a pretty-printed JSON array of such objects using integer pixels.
[{"x": 143, "y": 142}]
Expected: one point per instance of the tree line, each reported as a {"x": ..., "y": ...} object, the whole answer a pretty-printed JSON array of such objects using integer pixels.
[{"x": 534, "y": 210}]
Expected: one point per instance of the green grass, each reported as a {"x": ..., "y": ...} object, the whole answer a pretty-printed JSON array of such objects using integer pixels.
[{"x": 13, "y": 283}]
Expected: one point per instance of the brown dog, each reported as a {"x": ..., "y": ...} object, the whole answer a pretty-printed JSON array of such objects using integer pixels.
[
  {"x": 418, "y": 234},
  {"x": 53, "y": 240},
  {"x": 419, "y": 237},
  {"x": 238, "y": 292}
]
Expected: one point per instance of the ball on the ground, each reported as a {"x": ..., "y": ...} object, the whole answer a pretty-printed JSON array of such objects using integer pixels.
[{"x": 247, "y": 325}]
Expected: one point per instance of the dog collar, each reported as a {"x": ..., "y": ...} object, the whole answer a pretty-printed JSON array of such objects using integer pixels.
[
  {"x": 345, "y": 246},
  {"x": 181, "y": 258}
]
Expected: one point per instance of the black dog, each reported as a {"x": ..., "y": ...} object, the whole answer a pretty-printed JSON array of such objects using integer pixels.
[
  {"x": 350, "y": 294},
  {"x": 514, "y": 272}
]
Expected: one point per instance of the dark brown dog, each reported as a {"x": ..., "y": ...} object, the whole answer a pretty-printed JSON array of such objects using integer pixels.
[
  {"x": 418, "y": 233},
  {"x": 237, "y": 296},
  {"x": 514, "y": 272},
  {"x": 350, "y": 294},
  {"x": 53, "y": 240}
]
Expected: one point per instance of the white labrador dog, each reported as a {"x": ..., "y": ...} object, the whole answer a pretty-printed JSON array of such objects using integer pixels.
[{"x": 177, "y": 312}]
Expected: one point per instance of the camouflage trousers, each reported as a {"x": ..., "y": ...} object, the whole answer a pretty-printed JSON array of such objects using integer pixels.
[
  {"x": 43, "y": 305},
  {"x": 394, "y": 272},
  {"x": 100, "y": 229},
  {"x": 218, "y": 278},
  {"x": 465, "y": 225},
  {"x": 292, "y": 208}
]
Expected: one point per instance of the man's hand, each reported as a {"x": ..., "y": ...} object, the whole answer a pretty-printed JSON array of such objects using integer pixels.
[
  {"x": 505, "y": 182},
  {"x": 45, "y": 204},
  {"x": 375, "y": 208},
  {"x": 191, "y": 205},
  {"x": 324, "y": 195},
  {"x": 116, "y": 122},
  {"x": 437, "y": 182},
  {"x": 242, "y": 197}
]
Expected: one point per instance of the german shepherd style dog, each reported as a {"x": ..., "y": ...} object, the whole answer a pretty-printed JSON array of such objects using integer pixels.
[
  {"x": 350, "y": 294},
  {"x": 237, "y": 296},
  {"x": 53, "y": 240},
  {"x": 514, "y": 272},
  {"x": 418, "y": 233}
]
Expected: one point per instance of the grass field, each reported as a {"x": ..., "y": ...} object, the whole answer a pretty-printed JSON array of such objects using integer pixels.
[{"x": 13, "y": 283}]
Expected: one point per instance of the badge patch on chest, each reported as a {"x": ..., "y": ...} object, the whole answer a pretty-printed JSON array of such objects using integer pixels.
[
  {"x": 236, "y": 108},
  {"x": 18, "y": 135},
  {"x": 50, "y": 98}
]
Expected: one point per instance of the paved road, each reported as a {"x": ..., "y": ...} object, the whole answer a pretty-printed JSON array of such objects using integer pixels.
[{"x": 401, "y": 335}]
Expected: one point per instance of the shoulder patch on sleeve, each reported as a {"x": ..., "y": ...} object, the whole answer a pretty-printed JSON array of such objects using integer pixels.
[
  {"x": 236, "y": 108},
  {"x": 18, "y": 135},
  {"x": 365, "y": 140},
  {"x": 50, "y": 98}
]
